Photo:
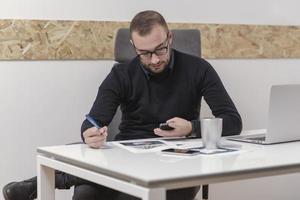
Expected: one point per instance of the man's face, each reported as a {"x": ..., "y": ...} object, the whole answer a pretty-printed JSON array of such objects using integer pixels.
[{"x": 153, "y": 48}]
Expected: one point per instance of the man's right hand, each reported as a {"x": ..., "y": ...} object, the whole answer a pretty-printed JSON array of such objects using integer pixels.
[{"x": 95, "y": 138}]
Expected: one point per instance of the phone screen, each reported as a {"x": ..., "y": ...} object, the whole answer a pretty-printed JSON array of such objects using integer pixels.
[
  {"x": 165, "y": 126},
  {"x": 181, "y": 151}
]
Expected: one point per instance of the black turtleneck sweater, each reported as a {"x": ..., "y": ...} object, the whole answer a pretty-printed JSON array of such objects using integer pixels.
[{"x": 147, "y": 100}]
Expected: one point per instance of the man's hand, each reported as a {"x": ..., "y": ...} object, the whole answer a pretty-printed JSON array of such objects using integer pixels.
[
  {"x": 95, "y": 138},
  {"x": 181, "y": 127}
]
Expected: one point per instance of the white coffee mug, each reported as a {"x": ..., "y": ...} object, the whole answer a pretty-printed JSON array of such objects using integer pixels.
[{"x": 211, "y": 132}]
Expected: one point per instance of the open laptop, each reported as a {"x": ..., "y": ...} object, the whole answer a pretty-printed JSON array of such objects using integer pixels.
[{"x": 283, "y": 123}]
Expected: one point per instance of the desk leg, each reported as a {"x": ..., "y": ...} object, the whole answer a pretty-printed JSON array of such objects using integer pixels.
[
  {"x": 46, "y": 190},
  {"x": 155, "y": 194}
]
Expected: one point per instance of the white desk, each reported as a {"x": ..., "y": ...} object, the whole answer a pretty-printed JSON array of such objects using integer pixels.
[{"x": 148, "y": 175}]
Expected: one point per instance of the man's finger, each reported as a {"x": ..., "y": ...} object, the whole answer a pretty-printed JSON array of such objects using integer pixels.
[
  {"x": 172, "y": 120},
  {"x": 103, "y": 131},
  {"x": 91, "y": 132},
  {"x": 172, "y": 124},
  {"x": 95, "y": 145},
  {"x": 163, "y": 133},
  {"x": 94, "y": 139}
]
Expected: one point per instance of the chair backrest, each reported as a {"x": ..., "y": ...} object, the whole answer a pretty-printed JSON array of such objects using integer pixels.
[{"x": 184, "y": 40}]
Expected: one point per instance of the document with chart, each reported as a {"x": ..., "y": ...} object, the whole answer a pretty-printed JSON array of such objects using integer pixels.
[{"x": 157, "y": 144}]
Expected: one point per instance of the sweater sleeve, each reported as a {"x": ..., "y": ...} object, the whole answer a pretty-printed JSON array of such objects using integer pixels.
[
  {"x": 220, "y": 102},
  {"x": 107, "y": 101}
]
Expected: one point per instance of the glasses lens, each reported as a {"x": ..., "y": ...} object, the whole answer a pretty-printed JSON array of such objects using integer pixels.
[
  {"x": 161, "y": 51},
  {"x": 146, "y": 55}
]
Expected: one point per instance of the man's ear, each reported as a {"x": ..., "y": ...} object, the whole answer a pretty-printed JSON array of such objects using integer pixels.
[
  {"x": 170, "y": 38},
  {"x": 131, "y": 42}
]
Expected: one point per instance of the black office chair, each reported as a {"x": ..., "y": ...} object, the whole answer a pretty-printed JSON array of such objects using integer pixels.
[{"x": 185, "y": 40}]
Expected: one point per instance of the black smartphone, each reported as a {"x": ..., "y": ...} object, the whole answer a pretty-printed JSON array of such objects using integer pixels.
[
  {"x": 184, "y": 152},
  {"x": 165, "y": 126}
]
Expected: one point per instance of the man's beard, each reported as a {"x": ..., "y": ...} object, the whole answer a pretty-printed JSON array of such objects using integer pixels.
[{"x": 156, "y": 68}]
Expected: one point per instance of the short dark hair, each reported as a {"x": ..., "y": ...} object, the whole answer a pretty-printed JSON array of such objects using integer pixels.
[{"x": 143, "y": 22}]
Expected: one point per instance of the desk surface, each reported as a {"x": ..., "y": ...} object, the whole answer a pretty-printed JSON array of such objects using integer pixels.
[{"x": 152, "y": 169}]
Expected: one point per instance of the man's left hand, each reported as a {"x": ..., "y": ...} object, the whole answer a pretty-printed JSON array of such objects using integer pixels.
[{"x": 181, "y": 127}]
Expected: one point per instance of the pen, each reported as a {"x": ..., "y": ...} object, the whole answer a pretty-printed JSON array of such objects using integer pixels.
[{"x": 92, "y": 121}]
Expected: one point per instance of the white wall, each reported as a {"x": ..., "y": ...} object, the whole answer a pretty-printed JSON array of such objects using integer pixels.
[{"x": 43, "y": 102}]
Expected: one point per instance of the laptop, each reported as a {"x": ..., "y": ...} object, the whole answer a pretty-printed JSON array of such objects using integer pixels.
[{"x": 283, "y": 123}]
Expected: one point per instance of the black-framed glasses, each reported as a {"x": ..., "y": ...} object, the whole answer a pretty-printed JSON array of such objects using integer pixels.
[{"x": 159, "y": 51}]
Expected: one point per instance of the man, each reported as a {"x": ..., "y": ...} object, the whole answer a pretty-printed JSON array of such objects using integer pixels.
[{"x": 159, "y": 85}]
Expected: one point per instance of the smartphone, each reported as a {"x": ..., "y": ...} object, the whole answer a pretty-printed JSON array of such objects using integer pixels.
[
  {"x": 184, "y": 152},
  {"x": 165, "y": 126}
]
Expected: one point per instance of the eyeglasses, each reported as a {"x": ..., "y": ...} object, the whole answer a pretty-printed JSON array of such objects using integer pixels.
[{"x": 160, "y": 51}]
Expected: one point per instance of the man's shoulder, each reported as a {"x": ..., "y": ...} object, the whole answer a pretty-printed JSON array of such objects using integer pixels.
[
  {"x": 125, "y": 67},
  {"x": 126, "y": 71},
  {"x": 191, "y": 61}
]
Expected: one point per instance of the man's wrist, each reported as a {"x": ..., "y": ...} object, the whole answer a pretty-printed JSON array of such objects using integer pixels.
[
  {"x": 190, "y": 129},
  {"x": 195, "y": 132}
]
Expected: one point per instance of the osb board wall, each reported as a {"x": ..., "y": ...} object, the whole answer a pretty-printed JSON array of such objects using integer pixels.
[{"x": 50, "y": 39}]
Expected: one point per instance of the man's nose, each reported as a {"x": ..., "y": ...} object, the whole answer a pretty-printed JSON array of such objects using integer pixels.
[{"x": 154, "y": 59}]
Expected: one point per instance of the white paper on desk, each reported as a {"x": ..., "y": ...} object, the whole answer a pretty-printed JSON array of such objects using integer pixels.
[
  {"x": 156, "y": 145},
  {"x": 183, "y": 143},
  {"x": 142, "y": 146}
]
